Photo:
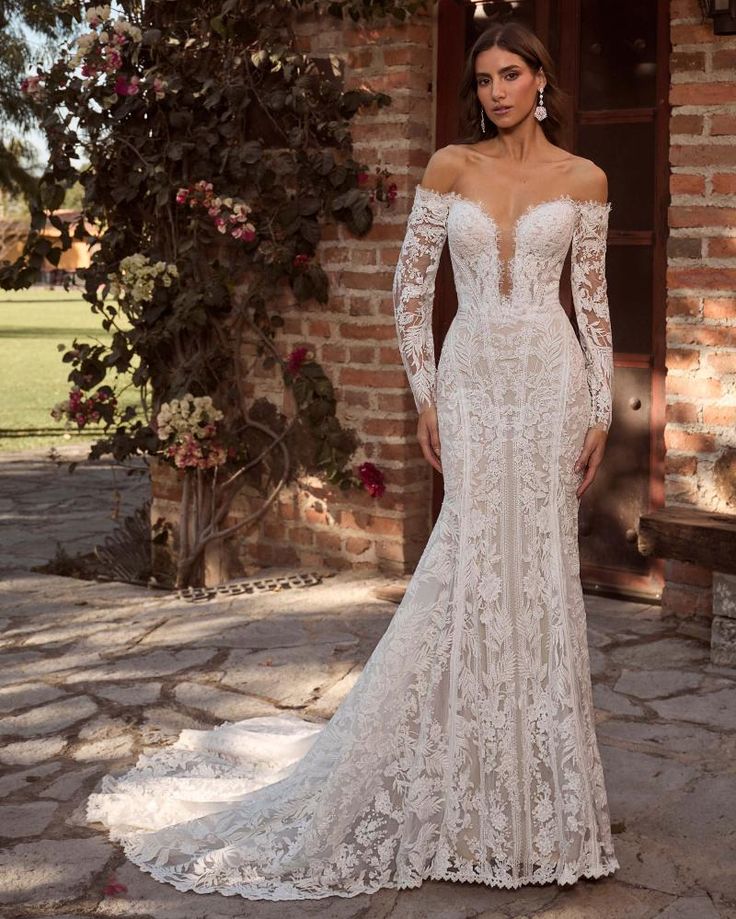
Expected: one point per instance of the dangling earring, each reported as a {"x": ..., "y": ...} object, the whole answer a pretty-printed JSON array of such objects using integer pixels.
[
  {"x": 482, "y": 120},
  {"x": 540, "y": 112}
]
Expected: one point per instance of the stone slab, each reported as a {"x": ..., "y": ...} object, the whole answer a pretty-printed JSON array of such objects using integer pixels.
[{"x": 50, "y": 872}]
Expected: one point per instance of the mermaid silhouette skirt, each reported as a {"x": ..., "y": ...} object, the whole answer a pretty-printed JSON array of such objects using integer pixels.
[{"x": 466, "y": 750}]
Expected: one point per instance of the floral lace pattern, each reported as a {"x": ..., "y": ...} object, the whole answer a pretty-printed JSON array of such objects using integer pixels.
[
  {"x": 466, "y": 749},
  {"x": 542, "y": 235}
]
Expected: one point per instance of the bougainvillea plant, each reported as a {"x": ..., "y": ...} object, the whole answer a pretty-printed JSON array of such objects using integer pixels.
[{"x": 212, "y": 154}]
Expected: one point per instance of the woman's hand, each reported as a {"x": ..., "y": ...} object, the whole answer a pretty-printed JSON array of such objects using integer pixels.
[
  {"x": 428, "y": 436},
  {"x": 590, "y": 457}
]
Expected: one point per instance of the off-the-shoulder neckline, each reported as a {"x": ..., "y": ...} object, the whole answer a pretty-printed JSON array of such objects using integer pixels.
[{"x": 587, "y": 202}]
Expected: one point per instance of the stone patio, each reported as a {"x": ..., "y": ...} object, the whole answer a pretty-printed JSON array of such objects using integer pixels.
[{"x": 92, "y": 673}]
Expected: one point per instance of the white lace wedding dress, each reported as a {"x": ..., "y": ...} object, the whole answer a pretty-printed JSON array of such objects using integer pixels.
[{"x": 466, "y": 751}]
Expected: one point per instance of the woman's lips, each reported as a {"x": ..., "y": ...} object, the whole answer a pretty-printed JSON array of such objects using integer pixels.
[{"x": 502, "y": 111}]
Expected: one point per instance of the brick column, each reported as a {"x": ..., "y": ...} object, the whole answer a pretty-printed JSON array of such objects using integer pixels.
[{"x": 700, "y": 433}]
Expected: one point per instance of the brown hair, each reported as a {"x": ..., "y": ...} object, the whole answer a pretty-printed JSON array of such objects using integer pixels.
[{"x": 521, "y": 40}]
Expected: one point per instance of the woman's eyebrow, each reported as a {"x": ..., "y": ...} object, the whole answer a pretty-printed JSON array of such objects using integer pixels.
[{"x": 482, "y": 73}]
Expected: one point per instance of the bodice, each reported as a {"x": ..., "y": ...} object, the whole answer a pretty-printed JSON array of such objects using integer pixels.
[
  {"x": 504, "y": 274},
  {"x": 514, "y": 272}
]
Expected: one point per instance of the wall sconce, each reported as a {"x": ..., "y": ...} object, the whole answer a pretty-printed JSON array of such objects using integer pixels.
[{"x": 723, "y": 14}]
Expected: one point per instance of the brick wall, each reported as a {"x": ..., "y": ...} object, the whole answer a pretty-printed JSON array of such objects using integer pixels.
[
  {"x": 700, "y": 432},
  {"x": 353, "y": 336}
]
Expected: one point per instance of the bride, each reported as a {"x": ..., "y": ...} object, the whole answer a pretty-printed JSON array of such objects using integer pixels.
[{"x": 466, "y": 751}]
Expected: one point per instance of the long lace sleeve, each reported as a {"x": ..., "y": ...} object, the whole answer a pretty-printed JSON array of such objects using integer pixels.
[
  {"x": 590, "y": 300},
  {"x": 413, "y": 291}
]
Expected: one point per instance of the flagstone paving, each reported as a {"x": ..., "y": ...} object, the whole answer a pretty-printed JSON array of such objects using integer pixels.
[{"x": 93, "y": 673}]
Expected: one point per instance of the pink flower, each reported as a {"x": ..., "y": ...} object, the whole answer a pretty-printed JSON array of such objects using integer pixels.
[
  {"x": 372, "y": 479},
  {"x": 300, "y": 259},
  {"x": 31, "y": 85},
  {"x": 182, "y": 195},
  {"x": 125, "y": 88},
  {"x": 295, "y": 360}
]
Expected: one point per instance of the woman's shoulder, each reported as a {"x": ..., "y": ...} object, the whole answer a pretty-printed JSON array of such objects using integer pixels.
[
  {"x": 589, "y": 180},
  {"x": 443, "y": 168}
]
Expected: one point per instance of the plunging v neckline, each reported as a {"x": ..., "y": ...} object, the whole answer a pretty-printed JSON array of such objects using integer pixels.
[{"x": 498, "y": 229}]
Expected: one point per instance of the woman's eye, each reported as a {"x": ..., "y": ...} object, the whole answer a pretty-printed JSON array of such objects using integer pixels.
[{"x": 514, "y": 74}]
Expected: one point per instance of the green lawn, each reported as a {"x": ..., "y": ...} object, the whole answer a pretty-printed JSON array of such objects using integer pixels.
[{"x": 32, "y": 375}]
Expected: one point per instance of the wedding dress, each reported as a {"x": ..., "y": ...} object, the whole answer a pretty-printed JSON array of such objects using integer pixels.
[{"x": 466, "y": 750}]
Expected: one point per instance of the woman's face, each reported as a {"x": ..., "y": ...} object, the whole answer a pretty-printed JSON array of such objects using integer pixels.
[{"x": 506, "y": 86}]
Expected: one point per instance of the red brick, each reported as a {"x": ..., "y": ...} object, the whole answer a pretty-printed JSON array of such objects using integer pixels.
[
  {"x": 389, "y": 356},
  {"x": 301, "y": 536},
  {"x": 356, "y": 397},
  {"x": 685, "y": 9},
  {"x": 724, "y": 183},
  {"x": 396, "y": 402},
  {"x": 405, "y": 56},
  {"x": 390, "y": 427},
  {"x": 722, "y": 125},
  {"x": 333, "y": 353},
  {"x": 359, "y": 58},
  {"x": 681, "y": 412},
  {"x": 319, "y": 327},
  {"x": 721, "y": 247},
  {"x": 719, "y": 308},
  {"x": 362, "y": 355},
  {"x": 356, "y": 546},
  {"x": 383, "y": 379},
  {"x": 383, "y": 331},
  {"x": 683, "y": 306},
  {"x": 709, "y": 335},
  {"x": 703, "y": 154},
  {"x": 724, "y": 59},
  {"x": 693, "y": 216},
  {"x": 720, "y": 415},
  {"x": 687, "y": 184},
  {"x": 691, "y": 387},
  {"x": 687, "y": 573},
  {"x": 705, "y": 277},
  {"x": 689, "y": 443},
  {"x": 362, "y": 306},
  {"x": 363, "y": 257},
  {"x": 682, "y": 62},
  {"x": 399, "y": 451},
  {"x": 686, "y": 602},
  {"x": 692, "y": 34},
  {"x": 368, "y": 280},
  {"x": 722, "y": 363},
  {"x": 680, "y": 465},
  {"x": 682, "y": 359},
  {"x": 331, "y": 542}
]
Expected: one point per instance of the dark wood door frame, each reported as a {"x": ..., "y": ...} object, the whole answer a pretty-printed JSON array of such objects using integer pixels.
[{"x": 453, "y": 40}]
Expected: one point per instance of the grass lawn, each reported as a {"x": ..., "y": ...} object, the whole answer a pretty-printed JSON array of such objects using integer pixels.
[{"x": 32, "y": 375}]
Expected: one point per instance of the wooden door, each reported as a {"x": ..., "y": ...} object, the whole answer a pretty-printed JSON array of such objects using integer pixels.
[{"x": 613, "y": 60}]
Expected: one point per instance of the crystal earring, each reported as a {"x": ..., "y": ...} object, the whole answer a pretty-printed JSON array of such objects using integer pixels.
[
  {"x": 540, "y": 112},
  {"x": 482, "y": 120}
]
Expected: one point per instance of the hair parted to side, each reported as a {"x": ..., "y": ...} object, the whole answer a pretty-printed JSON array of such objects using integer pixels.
[{"x": 518, "y": 39}]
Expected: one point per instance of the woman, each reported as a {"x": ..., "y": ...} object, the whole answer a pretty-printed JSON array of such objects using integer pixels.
[{"x": 466, "y": 751}]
